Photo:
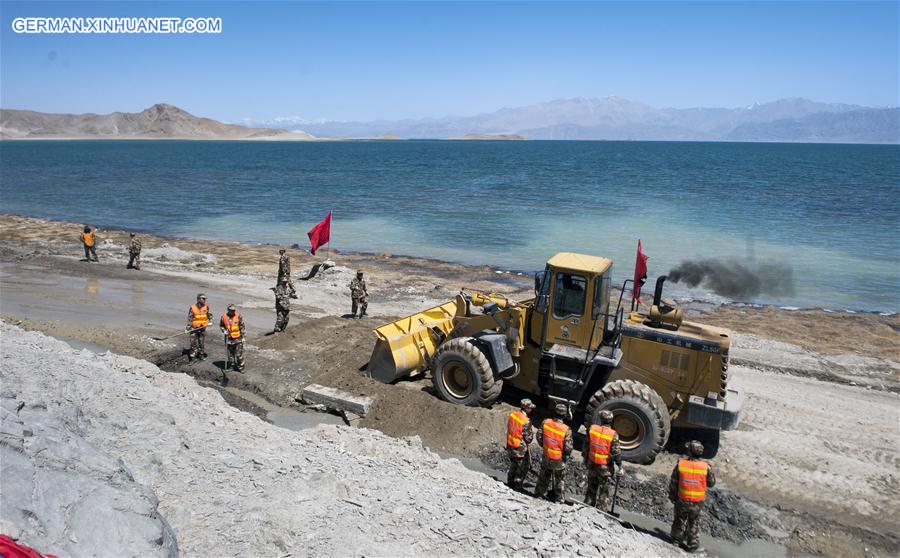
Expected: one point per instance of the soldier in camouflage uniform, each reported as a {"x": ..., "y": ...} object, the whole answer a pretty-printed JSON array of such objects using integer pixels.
[
  {"x": 556, "y": 440},
  {"x": 687, "y": 491},
  {"x": 284, "y": 270},
  {"x": 359, "y": 294},
  {"x": 519, "y": 435},
  {"x": 134, "y": 253},
  {"x": 282, "y": 304},
  {"x": 198, "y": 319},
  {"x": 603, "y": 460},
  {"x": 232, "y": 326}
]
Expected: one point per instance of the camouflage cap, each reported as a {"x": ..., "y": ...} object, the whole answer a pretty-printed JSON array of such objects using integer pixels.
[
  {"x": 561, "y": 410},
  {"x": 359, "y": 272},
  {"x": 231, "y": 308},
  {"x": 132, "y": 234},
  {"x": 695, "y": 448},
  {"x": 605, "y": 416},
  {"x": 281, "y": 250},
  {"x": 200, "y": 295},
  {"x": 526, "y": 404}
]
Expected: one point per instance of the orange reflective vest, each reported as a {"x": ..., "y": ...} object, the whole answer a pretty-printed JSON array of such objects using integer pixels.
[
  {"x": 514, "y": 426},
  {"x": 601, "y": 438},
  {"x": 87, "y": 238},
  {"x": 554, "y": 437},
  {"x": 692, "y": 480},
  {"x": 232, "y": 327},
  {"x": 199, "y": 316}
]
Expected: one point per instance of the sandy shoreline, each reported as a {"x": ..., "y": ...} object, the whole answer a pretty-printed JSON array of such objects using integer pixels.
[{"x": 829, "y": 332}]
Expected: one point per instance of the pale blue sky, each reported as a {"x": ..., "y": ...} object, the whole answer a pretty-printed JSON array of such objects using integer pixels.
[{"x": 364, "y": 61}]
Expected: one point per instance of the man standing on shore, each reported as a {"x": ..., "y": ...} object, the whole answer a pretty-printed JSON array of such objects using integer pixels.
[
  {"x": 89, "y": 241},
  {"x": 134, "y": 253},
  {"x": 359, "y": 295},
  {"x": 198, "y": 320},
  {"x": 282, "y": 304},
  {"x": 603, "y": 459},
  {"x": 284, "y": 270},
  {"x": 687, "y": 491},
  {"x": 518, "y": 437},
  {"x": 556, "y": 439},
  {"x": 232, "y": 326}
]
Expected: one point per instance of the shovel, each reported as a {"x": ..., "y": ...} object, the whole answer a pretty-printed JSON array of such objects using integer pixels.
[
  {"x": 227, "y": 358},
  {"x": 178, "y": 334},
  {"x": 612, "y": 510}
]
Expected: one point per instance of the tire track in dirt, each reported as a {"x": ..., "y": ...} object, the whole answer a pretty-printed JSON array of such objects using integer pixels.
[{"x": 818, "y": 447}]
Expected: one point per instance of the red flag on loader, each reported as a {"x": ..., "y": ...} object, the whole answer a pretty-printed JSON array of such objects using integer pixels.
[
  {"x": 320, "y": 234},
  {"x": 640, "y": 273}
]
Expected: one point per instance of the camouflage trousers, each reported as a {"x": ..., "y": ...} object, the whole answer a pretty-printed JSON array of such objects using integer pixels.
[
  {"x": 554, "y": 471},
  {"x": 518, "y": 469},
  {"x": 360, "y": 303},
  {"x": 235, "y": 355},
  {"x": 90, "y": 253},
  {"x": 134, "y": 260},
  {"x": 598, "y": 481},
  {"x": 282, "y": 315},
  {"x": 686, "y": 526},
  {"x": 198, "y": 344}
]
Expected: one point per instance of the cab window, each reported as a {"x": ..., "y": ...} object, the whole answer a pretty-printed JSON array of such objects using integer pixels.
[
  {"x": 568, "y": 300},
  {"x": 601, "y": 296}
]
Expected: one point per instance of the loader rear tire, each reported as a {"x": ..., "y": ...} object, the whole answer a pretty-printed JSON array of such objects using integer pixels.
[
  {"x": 640, "y": 417},
  {"x": 463, "y": 375}
]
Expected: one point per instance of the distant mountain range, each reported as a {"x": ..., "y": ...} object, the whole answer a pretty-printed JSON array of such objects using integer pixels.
[
  {"x": 160, "y": 121},
  {"x": 604, "y": 118},
  {"x": 615, "y": 118}
]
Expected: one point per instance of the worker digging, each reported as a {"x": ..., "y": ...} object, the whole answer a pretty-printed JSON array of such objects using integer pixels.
[
  {"x": 198, "y": 320},
  {"x": 232, "y": 326}
]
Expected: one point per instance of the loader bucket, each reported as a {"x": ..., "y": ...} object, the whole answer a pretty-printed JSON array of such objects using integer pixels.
[{"x": 405, "y": 347}]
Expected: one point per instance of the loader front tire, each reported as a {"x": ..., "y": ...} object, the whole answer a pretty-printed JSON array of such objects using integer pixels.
[
  {"x": 463, "y": 375},
  {"x": 639, "y": 416}
]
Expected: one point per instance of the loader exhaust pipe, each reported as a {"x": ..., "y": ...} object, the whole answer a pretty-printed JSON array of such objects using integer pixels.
[
  {"x": 661, "y": 315},
  {"x": 657, "y": 294}
]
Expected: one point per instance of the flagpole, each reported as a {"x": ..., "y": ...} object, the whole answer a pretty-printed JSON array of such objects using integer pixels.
[{"x": 330, "y": 222}]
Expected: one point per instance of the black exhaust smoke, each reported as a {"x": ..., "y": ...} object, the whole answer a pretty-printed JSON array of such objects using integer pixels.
[{"x": 732, "y": 279}]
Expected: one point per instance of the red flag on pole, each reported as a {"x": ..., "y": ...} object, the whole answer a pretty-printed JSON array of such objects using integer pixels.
[
  {"x": 640, "y": 273},
  {"x": 320, "y": 234}
]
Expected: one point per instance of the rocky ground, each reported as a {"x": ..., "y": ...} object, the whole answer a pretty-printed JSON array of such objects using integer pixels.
[
  {"x": 110, "y": 440},
  {"x": 791, "y": 473}
]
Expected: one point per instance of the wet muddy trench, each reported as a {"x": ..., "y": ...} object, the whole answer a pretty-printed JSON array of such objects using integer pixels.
[{"x": 492, "y": 463}]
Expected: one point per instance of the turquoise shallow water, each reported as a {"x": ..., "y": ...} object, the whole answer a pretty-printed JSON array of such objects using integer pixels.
[{"x": 828, "y": 213}]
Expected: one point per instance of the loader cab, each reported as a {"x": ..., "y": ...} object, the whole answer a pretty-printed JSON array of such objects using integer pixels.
[{"x": 571, "y": 302}]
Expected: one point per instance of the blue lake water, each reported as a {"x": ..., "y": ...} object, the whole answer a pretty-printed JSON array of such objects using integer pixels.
[{"x": 829, "y": 213}]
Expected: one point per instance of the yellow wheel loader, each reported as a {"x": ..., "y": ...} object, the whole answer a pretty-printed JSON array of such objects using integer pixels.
[{"x": 654, "y": 371}]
